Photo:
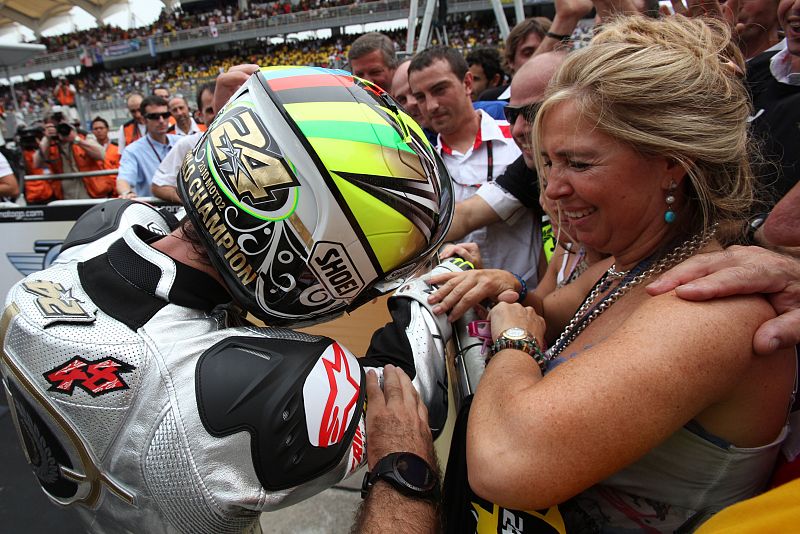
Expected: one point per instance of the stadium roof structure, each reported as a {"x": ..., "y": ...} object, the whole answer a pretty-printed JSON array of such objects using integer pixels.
[
  {"x": 38, "y": 15},
  {"x": 14, "y": 54}
]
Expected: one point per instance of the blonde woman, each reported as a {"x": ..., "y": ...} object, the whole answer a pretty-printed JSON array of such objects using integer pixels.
[{"x": 646, "y": 411}]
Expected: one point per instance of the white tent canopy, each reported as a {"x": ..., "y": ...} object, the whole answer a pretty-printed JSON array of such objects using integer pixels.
[
  {"x": 38, "y": 15},
  {"x": 14, "y": 54}
]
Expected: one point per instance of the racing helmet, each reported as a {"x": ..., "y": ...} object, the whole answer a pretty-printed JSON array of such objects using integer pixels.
[{"x": 314, "y": 192}]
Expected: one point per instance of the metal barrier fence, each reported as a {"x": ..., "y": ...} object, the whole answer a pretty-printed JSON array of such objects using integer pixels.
[
  {"x": 320, "y": 17},
  {"x": 70, "y": 175},
  {"x": 339, "y": 16}
]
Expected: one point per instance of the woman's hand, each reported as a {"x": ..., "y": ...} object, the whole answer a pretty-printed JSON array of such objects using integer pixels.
[
  {"x": 466, "y": 251},
  {"x": 459, "y": 292},
  {"x": 505, "y": 316}
]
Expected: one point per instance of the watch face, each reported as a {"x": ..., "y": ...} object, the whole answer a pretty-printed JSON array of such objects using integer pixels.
[
  {"x": 415, "y": 472},
  {"x": 515, "y": 332}
]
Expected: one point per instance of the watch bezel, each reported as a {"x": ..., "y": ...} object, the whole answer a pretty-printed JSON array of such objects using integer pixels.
[
  {"x": 516, "y": 333},
  {"x": 392, "y": 475},
  {"x": 422, "y": 463}
]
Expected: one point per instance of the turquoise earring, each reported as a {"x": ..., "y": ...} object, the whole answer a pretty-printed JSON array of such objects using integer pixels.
[{"x": 669, "y": 215}]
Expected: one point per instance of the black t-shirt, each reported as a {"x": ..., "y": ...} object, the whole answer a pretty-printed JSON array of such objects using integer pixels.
[
  {"x": 492, "y": 93},
  {"x": 523, "y": 183},
  {"x": 776, "y": 129}
]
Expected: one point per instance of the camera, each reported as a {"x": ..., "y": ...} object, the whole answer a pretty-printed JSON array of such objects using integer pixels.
[
  {"x": 29, "y": 137},
  {"x": 64, "y": 129}
]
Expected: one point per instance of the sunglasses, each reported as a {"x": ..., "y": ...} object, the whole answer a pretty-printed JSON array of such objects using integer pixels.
[
  {"x": 528, "y": 112},
  {"x": 155, "y": 116}
]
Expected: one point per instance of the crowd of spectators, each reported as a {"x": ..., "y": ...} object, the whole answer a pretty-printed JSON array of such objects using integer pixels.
[
  {"x": 35, "y": 97},
  {"x": 178, "y": 20}
]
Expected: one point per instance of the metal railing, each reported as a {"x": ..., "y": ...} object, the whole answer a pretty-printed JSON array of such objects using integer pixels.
[
  {"x": 70, "y": 175},
  {"x": 251, "y": 28}
]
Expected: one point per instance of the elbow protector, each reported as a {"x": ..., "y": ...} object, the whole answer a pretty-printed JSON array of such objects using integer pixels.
[{"x": 301, "y": 399}]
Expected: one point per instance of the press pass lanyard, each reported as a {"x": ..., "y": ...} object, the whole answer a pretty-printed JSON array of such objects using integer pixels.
[
  {"x": 489, "y": 161},
  {"x": 154, "y": 148}
]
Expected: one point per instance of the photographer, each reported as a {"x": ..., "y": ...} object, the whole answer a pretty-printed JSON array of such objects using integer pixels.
[
  {"x": 36, "y": 191},
  {"x": 65, "y": 93},
  {"x": 63, "y": 150},
  {"x": 9, "y": 188}
]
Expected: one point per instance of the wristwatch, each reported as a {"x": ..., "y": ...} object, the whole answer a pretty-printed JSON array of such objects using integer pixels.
[
  {"x": 520, "y": 339},
  {"x": 756, "y": 222},
  {"x": 407, "y": 473}
]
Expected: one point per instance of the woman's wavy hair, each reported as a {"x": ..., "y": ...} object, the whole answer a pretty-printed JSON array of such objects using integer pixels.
[{"x": 671, "y": 88}]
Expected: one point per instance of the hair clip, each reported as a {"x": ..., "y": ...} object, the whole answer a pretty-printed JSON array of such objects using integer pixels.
[{"x": 731, "y": 67}]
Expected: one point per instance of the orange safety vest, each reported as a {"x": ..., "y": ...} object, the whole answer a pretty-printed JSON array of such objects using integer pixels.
[
  {"x": 65, "y": 96},
  {"x": 112, "y": 156},
  {"x": 131, "y": 131},
  {"x": 39, "y": 191},
  {"x": 96, "y": 186}
]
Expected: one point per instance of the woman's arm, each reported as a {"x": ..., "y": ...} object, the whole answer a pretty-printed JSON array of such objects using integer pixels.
[
  {"x": 533, "y": 442},
  {"x": 743, "y": 271},
  {"x": 9, "y": 186}
]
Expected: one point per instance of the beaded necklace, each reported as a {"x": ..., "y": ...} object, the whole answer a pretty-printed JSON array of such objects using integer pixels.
[{"x": 589, "y": 311}]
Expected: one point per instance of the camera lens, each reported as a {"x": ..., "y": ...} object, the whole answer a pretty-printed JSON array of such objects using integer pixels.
[{"x": 63, "y": 129}]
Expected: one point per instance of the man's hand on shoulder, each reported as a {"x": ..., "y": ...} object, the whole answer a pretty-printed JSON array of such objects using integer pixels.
[{"x": 743, "y": 271}]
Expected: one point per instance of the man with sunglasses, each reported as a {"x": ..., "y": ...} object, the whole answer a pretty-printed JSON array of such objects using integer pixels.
[
  {"x": 141, "y": 159},
  {"x": 165, "y": 179}
]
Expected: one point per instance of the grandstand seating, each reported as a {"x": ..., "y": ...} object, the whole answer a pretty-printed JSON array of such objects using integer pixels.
[{"x": 102, "y": 88}]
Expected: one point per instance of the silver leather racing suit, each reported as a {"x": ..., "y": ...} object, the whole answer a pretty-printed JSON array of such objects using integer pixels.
[{"x": 139, "y": 396}]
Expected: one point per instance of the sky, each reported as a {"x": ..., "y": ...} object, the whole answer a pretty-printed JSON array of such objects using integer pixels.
[{"x": 144, "y": 11}]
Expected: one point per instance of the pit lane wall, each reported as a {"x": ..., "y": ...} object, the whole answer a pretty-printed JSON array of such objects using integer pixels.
[{"x": 31, "y": 236}]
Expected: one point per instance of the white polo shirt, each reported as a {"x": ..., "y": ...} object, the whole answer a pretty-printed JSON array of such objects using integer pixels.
[{"x": 511, "y": 243}]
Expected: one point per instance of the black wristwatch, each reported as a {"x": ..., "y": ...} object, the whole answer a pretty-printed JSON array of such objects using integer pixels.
[
  {"x": 755, "y": 222},
  {"x": 407, "y": 473}
]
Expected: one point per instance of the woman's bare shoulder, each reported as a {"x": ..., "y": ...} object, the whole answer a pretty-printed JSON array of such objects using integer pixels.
[{"x": 735, "y": 312}]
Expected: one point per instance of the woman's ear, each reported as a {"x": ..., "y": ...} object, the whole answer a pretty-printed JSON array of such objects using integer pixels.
[{"x": 674, "y": 175}]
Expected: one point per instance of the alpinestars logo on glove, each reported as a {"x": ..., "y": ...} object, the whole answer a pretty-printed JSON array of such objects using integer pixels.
[{"x": 95, "y": 378}]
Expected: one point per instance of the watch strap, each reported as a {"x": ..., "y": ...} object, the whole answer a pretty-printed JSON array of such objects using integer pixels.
[
  {"x": 528, "y": 345},
  {"x": 384, "y": 470},
  {"x": 523, "y": 292}
]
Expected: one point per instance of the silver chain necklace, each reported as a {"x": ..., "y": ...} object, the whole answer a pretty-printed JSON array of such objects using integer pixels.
[
  {"x": 578, "y": 323},
  {"x": 614, "y": 273}
]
